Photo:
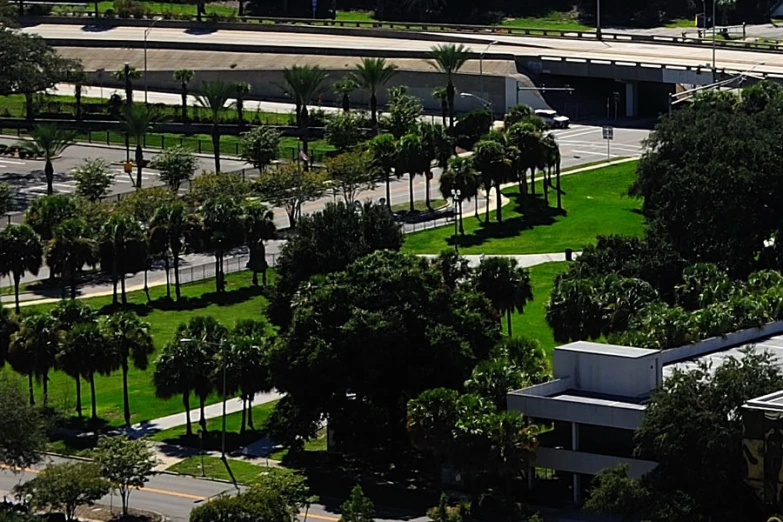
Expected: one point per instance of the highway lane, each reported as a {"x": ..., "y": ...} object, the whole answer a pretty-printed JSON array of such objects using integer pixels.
[{"x": 739, "y": 60}]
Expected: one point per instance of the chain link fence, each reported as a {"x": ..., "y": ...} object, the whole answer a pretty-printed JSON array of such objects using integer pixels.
[{"x": 232, "y": 264}]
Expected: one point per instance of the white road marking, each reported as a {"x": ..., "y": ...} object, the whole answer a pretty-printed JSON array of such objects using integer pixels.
[{"x": 14, "y": 162}]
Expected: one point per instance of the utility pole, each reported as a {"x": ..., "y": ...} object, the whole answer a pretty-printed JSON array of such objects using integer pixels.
[{"x": 598, "y": 19}]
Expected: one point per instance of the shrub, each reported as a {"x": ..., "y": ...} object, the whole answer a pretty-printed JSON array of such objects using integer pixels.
[{"x": 471, "y": 127}]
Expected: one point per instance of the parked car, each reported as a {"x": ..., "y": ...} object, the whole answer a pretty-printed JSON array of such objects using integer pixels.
[{"x": 552, "y": 119}]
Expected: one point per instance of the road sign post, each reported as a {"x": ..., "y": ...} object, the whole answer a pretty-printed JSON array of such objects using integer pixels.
[{"x": 608, "y": 135}]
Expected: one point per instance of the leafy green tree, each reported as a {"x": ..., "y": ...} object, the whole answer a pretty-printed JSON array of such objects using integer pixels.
[
  {"x": 45, "y": 213},
  {"x": 370, "y": 75},
  {"x": 47, "y": 141},
  {"x": 431, "y": 418},
  {"x": 383, "y": 153},
  {"x": 404, "y": 112},
  {"x": 449, "y": 59},
  {"x": 241, "y": 90},
  {"x": 471, "y": 128},
  {"x": 128, "y": 337},
  {"x": 138, "y": 120},
  {"x": 344, "y": 131},
  {"x": 22, "y": 427},
  {"x": 184, "y": 77},
  {"x": 93, "y": 178},
  {"x": 176, "y": 165},
  {"x": 258, "y": 225},
  {"x": 70, "y": 356},
  {"x": 221, "y": 230},
  {"x": 614, "y": 493},
  {"x": 33, "y": 350},
  {"x": 302, "y": 83},
  {"x": 453, "y": 268},
  {"x": 344, "y": 88},
  {"x": 411, "y": 158},
  {"x": 460, "y": 178},
  {"x": 66, "y": 486},
  {"x": 122, "y": 249},
  {"x": 260, "y": 146},
  {"x": 21, "y": 251},
  {"x": 143, "y": 203},
  {"x": 527, "y": 355},
  {"x": 493, "y": 379},
  {"x": 211, "y": 185},
  {"x": 168, "y": 228},
  {"x": 516, "y": 114},
  {"x": 489, "y": 158},
  {"x": 248, "y": 365},
  {"x": 506, "y": 286},
  {"x": 257, "y": 503},
  {"x": 357, "y": 508},
  {"x": 215, "y": 97},
  {"x": 290, "y": 186},
  {"x": 127, "y": 464},
  {"x": 351, "y": 172}
]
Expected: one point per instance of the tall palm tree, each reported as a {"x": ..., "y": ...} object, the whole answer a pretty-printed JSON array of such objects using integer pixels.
[
  {"x": 258, "y": 225},
  {"x": 505, "y": 284},
  {"x": 48, "y": 141},
  {"x": 69, "y": 359},
  {"x": 552, "y": 155},
  {"x": 462, "y": 178},
  {"x": 344, "y": 88},
  {"x": 222, "y": 231},
  {"x": 383, "y": 151},
  {"x": 78, "y": 77},
  {"x": 410, "y": 159},
  {"x": 184, "y": 76},
  {"x": 86, "y": 343},
  {"x": 70, "y": 249},
  {"x": 33, "y": 350},
  {"x": 241, "y": 90},
  {"x": 138, "y": 121},
  {"x": 373, "y": 74},
  {"x": 215, "y": 96},
  {"x": 167, "y": 229},
  {"x": 449, "y": 59},
  {"x": 128, "y": 337},
  {"x": 442, "y": 95},
  {"x": 126, "y": 75},
  {"x": 489, "y": 158},
  {"x": 21, "y": 251},
  {"x": 122, "y": 249},
  {"x": 302, "y": 83},
  {"x": 249, "y": 363}
]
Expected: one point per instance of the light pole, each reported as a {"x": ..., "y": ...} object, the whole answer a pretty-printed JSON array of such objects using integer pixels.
[
  {"x": 713, "y": 39},
  {"x": 481, "y": 66},
  {"x": 598, "y": 19},
  {"x": 146, "y": 34},
  {"x": 455, "y": 198},
  {"x": 487, "y": 104}
]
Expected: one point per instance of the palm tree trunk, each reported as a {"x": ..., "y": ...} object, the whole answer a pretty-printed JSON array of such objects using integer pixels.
[
  {"x": 388, "y": 190},
  {"x": 240, "y": 110},
  {"x": 305, "y": 130},
  {"x": 444, "y": 112},
  {"x": 427, "y": 189},
  {"x": 139, "y": 161},
  {"x": 374, "y": 112},
  {"x": 498, "y": 203},
  {"x": 94, "y": 402},
  {"x": 30, "y": 386},
  {"x": 28, "y": 103},
  {"x": 125, "y": 399},
  {"x": 186, "y": 405},
  {"x": 202, "y": 421},
  {"x": 77, "y": 94},
  {"x": 216, "y": 145},
  {"x": 46, "y": 389},
  {"x": 508, "y": 321},
  {"x": 243, "y": 425},
  {"x": 78, "y": 396},
  {"x": 486, "y": 217},
  {"x": 533, "y": 182},
  {"x": 122, "y": 286},
  {"x": 177, "y": 291},
  {"x": 217, "y": 272},
  {"x": 168, "y": 282},
  {"x": 346, "y": 103},
  {"x": 546, "y": 189},
  {"x": 184, "y": 103},
  {"x": 450, "y": 101},
  {"x": 461, "y": 227},
  {"x": 114, "y": 280},
  {"x": 250, "y": 411},
  {"x": 557, "y": 174},
  {"x": 49, "y": 172},
  {"x": 17, "y": 277},
  {"x": 146, "y": 286},
  {"x": 410, "y": 190}
]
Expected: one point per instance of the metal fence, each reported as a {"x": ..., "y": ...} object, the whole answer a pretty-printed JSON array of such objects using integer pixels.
[{"x": 231, "y": 265}]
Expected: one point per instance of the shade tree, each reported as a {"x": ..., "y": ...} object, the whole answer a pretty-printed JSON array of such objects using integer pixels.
[
  {"x": 260, "y": 146},
  {"x": 21, "y": 252},
  {"x": 176, "y": 165}
]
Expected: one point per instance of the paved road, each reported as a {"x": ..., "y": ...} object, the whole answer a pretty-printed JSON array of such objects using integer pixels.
[{"x": 738, "y": 60}]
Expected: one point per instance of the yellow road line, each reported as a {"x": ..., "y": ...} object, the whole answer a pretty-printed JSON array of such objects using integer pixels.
[{"x": 173, "y": 493}]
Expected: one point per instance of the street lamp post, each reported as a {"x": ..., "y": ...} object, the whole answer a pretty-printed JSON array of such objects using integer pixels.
[
  {"x": 481, "y": 66},
  {"x": 713, "y": 39},
  {"x": 598, "y": 19},
  {"x": 455, "y": 198},
  {"x": 146, "y": 34},
  {"x": 487, "y": 104}
]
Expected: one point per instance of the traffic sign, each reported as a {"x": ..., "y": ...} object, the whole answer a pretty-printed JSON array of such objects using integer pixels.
[{"x": 608, "y": 133}]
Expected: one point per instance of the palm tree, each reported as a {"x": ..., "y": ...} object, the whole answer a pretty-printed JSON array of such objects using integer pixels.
[
  {"x": 437, "y": 146},
  {"x": 78, "y": 77},
  {"x": 449, "y": 59},
  {"x": 138, "y": 121},
  {"x": 70, "y": 249},
  {"x": 373, "y": 74},
  {"x": 410, "y": 159},
  {"x": 506, "y": 286},
  {"x": 128, "y": 338},
  {"x": 222, "y": 231},
  {"x": 215, "y": 96},
  {"x": 33, "y": 350},
  {"x": 552, "y": 155},
  {"x": 383, "y": 150},
  {"x": 460, "y": 177},
  {"x": 69, "y": 359},
  {"x": 126, "y": 75},
  {"x": 344, "y": 88},
  {"x": 248, "y": 363},
  {"x": 167, "y": 229},
  {"x": 21, "y": 251},
  {"x": 302, "y": 83},
  {"x": 85, "y": 346},
  {"x": 422, "y": 7},
  {"x": 122, "y": 249},
  {"x": 489, "y": 158},
  {"x": 258, "y": 225},
  {"x": 442, "y": 95},
  {"x": 241, "y": 89},
  {"x": 184, "y": 76},
  {"x": 48, "y": 141}
]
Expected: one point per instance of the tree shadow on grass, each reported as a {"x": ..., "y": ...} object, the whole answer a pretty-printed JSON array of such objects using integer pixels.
[
  {"x": 187, "y": 303},
  {"x": 211, "y": 441},
  {"x": 533, "y": 213}
]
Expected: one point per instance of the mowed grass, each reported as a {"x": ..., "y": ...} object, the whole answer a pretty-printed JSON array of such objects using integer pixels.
[
  {"x": 594, "y": 203},
  {"x": 152, "y": 7},
  {"x": 355, "y": 16},
  {"x": 532, "y": 323},
  {"x": 244, "y": 472},
  {"x": 419, "y": 205},
  {"x": 556, "y": 20},
  {"x": 240, "y": 301},
  {"x": 212, "y": 439}
]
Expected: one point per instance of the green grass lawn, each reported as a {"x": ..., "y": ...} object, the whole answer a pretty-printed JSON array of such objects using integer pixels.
[
  {"x": 355, "y": 16},
  {"x": 316, "y": 444},
  {"x": 212, "y": 439},
  {"x": 563, "y": 21},
  {"x": 532, "y": 323},
  {"x": 418, "y": 205},
  {"x": 241, "y": 301},
  {"x": 685, "y": 23},
  {"x": 593, "y": 203},
  {"x": 244, "y": 472},
  {"x": 153, "y": 7}
]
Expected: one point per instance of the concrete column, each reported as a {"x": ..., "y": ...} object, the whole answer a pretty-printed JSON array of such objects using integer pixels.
[
  {"x": 631, "y": 99},
  {"x": 577, "y": 485}
]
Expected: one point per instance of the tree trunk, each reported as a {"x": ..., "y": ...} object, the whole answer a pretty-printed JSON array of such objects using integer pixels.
[
  {"x": 28, "y": 103},
  {"x": 46, "y": 389},
  {"x": 30, "y": 385},
  {"x": 78, "y": 397},
  {"x": 305, "y": 131},
  {"x": 533, "y": 182},
  {"x": 77, "y": 94},
  {"x": 139, "y": 162},
  {"x": 199, "y": 10},
  {"x": 346, "y": 103},
  {"x": 508, "y": 321},
  {"x": 202, "y": 421},
  {"x": 17, "y": 277},
  {"x": 216, "y": 146},
  {"x": 122, "y": 287},
  {"x": 177, "y": 290},
  {"x": 114, "y": 278},
  {"x": 241, "y": 8},
  {"x": 243, "y": 425},
  {"x": 92, "y": 392},
  {"x": 427, "y": 189},
  {"x": 125, "y": 399},
  {"x": 374, "y": 112},
  {"x": 388, "y": 190},
  {"x": 74, "y": 285},
  {"x": 410, "y": 190},
  {"x": 461, "y": 227},
  {"x": 217, "y": 272},
  {"x": 499, "y": 204},
  {"x": 557, "y": 181},
  {"x": 486, "y": 217},
  {"x": 240, "y": 110},
  {"x": 184, "y": 103},
  {"x": 168, "y": 282},
  {"x": 546, "y": 189},
  {"x": 444, "y": 112},
  {"x": 186, "y": 405},
  {"x": 146, "y": 286},
  {"x": 250, "y": 411},
  {"x": 49, "y": 172},
  {"x": 450, "y": 100}
]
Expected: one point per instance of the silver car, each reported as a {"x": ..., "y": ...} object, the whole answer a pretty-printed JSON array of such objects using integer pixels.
[{"x": 552, "y": 119}]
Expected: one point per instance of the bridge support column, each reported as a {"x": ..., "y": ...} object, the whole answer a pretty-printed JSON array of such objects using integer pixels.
[{"x": 631, "y": 99}]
